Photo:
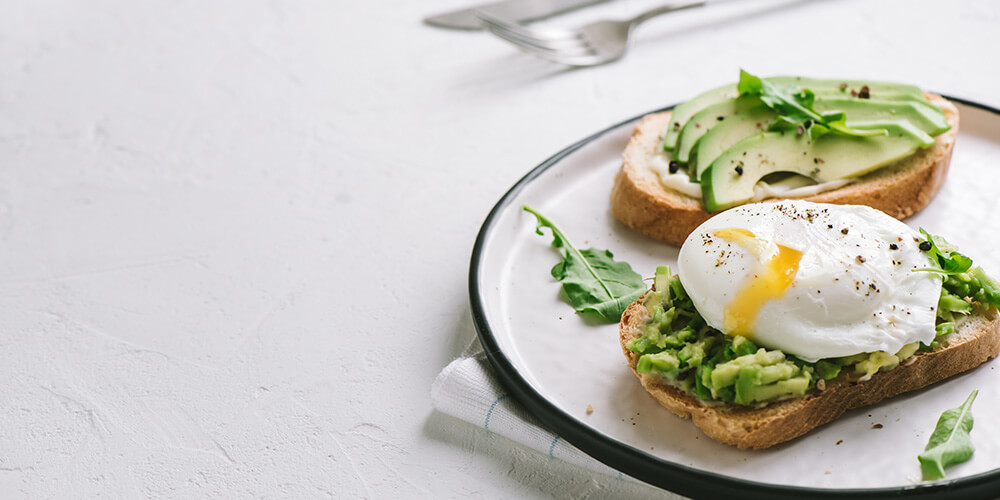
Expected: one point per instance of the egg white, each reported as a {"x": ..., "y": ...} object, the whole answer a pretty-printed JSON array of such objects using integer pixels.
[{"x": 855, "y": 289}]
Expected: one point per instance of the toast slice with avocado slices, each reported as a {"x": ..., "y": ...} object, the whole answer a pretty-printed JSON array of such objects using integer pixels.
[
  {"x": 899, "y": 188},
  {"x": 974, "y": 340}
]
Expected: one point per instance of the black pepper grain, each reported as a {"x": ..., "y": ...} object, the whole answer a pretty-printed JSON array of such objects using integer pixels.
[
  {"x": 674, "y": 166},
  {"x": 865, "y": 93},
  {"x": 893, "y": 246},
  {"x": 925, "y": 246}
]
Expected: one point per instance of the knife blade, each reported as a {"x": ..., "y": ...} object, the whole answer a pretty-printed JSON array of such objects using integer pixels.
[{"x": 514, "y": 10}]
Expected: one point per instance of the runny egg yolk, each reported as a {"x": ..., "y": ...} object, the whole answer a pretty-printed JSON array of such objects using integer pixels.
[{"x": 778, "y": 269}]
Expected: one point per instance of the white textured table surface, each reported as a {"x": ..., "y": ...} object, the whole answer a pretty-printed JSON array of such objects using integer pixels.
[{"x": 234, "y": 236}]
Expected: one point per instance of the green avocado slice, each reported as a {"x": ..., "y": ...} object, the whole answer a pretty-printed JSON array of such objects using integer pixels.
[
  {"x": 684, "y": 111},
  {"x": 877, "y": 90},
  {"x": 726, "y": 134},
  {"x": 926, "y": 116},
  {"x": 730, "y": 179},
  {"x": 706, "y": 119},
  {"x": 923, "y": 115}
]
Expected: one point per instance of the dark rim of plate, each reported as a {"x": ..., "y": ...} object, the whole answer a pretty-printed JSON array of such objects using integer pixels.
[{"x": 681, "y": 479}]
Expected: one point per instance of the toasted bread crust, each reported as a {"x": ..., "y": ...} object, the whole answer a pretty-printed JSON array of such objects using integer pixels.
[
  {"x": 975, "y": 340},
  {"x": 639, "y": 200}
]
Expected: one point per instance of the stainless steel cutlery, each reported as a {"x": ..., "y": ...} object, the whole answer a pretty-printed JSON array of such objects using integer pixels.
[{"x": 590, "y": 45}]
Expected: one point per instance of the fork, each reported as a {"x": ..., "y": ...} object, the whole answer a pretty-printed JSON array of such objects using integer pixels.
[{"x": 590, "y": 45}]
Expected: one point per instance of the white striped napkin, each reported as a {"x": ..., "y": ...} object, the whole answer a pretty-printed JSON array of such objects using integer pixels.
[{"x": 467, "y": 389}]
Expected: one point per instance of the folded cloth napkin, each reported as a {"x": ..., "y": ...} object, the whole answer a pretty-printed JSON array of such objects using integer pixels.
[{"x": 468, "y": 389}]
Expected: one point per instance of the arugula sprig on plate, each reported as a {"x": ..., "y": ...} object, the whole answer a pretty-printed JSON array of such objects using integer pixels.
[
  {"x": 593, "y": 281},
  {"x": 949, "y": 443}
]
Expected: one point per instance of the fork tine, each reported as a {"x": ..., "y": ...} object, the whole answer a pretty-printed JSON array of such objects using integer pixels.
[
  {"x": 584, "y": 57},
  {"x": 524, "y": 31},
  {"x": 570, "y": 47},
  {"x": 542, "y": 50},
  {"x": 576, "y": 40},
  {"x": 549, "y": 55}
]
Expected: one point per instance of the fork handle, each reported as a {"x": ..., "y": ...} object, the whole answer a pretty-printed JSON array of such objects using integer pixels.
[{"x": 665, "y": 9}]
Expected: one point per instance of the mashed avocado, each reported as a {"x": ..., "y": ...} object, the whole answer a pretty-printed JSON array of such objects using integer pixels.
[{"x": 678, "y": 346}]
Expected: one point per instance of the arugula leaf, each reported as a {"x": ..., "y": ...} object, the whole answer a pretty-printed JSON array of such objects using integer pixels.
[
  {"x": 963, "y": 285},
  {"x": 594, "y": 283},
  {"x": 949, "y": 443},
  {"x": 749, "y": 84},
  {"x": 796, "y": 109},
  {"x": 796, "y": 106},
  {"x": 945, "y": 255}
]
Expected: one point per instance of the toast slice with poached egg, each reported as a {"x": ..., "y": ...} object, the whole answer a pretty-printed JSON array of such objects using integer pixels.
[
  {"x": 783, "y": 315},
  {"x": 975, "y": 340}
]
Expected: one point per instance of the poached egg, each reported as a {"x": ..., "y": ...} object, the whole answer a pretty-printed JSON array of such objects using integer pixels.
[{"x": 813, "y": 280}]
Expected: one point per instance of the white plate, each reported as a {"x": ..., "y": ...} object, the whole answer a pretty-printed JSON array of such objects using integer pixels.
[{"x": 557, "y": 363}]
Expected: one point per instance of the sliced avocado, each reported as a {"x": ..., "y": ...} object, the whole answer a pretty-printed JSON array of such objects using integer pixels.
[
  {"x": 730, "y": 179},
  {"x": 685, "y": 110},
  {"x": 848, "y": 88},
  {"x": 924, "y": 140},
  {"x": 829, "y": 88},
  {"x": 926, "y": 116},
  {"x": 727, "y": 133},
  {"x": 704, "y": 120}
]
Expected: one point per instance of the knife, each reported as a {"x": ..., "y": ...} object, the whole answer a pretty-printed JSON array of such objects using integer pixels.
[{"x": 514, "y": 10}]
